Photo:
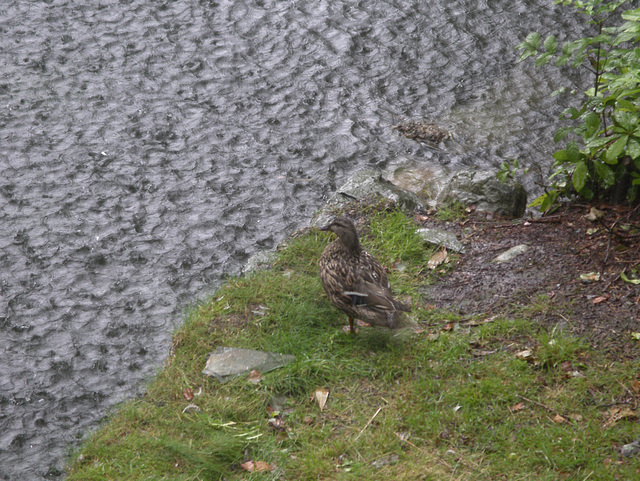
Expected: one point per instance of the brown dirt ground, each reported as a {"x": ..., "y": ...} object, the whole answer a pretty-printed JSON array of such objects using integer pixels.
[{"x": 547, "y": 277}]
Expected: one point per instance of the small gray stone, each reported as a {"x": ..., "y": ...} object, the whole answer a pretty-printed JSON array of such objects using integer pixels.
[
  {"x": 441, "y": 238},
  {"x": 228, "y": 362},
  {"x": 385, "y": 460},
  {"x": 506, "y": 256},
  {"x": 630, "y": 449},
  {"x": 259, "y": 261}
]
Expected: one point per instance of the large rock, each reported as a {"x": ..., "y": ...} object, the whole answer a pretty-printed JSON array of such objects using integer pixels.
[
  {"x": 425, "y": 180},
  {"x": 367, "y": 184},
  {"x": 486, "y": 192}
]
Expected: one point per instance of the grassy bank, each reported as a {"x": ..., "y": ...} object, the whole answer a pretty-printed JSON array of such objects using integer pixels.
[{"x": 466, "y": 398}]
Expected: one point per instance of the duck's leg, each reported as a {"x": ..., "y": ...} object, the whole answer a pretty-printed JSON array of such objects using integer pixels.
[{"x": 351, "y": 329}]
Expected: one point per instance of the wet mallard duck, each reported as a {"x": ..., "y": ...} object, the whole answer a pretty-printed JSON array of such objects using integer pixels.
[
  {"x": 422, "y": 131},
  {"x": 355, "y": 281}
]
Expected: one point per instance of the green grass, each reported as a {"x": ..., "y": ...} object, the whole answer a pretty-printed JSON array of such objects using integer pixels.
[{"x": 441, "y": 404}]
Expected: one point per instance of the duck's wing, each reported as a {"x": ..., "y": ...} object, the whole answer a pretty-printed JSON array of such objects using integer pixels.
[
  {"x": 372, "y": 286},
  {"x": 338, "y": 275}
]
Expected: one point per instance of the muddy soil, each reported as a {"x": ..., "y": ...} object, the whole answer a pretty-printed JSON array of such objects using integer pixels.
[{"x": 545, "y": 281}]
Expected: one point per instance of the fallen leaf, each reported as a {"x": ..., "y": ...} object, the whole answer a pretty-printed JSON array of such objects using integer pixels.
[
  {"x": 191, "y": 408},
  {"x": 480, "y": 353},
  {"x": 188, "y": 394},
  {"x": 449, "y": 326},
  {"x": 526, "y": 354},
  {"x": 559, "y": 419},
  {"x": 601, "y": 299},
  {"x": 566, "y": 366},
  {"x": 575, "y": 416},
  {"x": 321, "y": 396},
  {"x": 257, "y": 466},
  {"x": 591, "y": 277},
  {"x": 616, "y": 414},
  {"x": 517, "y": 407},
  {"x": 277, "y": 424},
  {"x": 636, "y": 335},
  {"x": 254, "y": 376},
  {"x": 592, "y": 230},
  {"x": 635, "y": 385},
  {"x": 384, "y": 460},
  {"x": 624, "y": 277},
  {"x": 594, "y": 214},
  {"x": 437, "y": 259}
]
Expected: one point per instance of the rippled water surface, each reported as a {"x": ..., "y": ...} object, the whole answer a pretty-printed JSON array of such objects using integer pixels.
[{"x": 147, "y": 148}]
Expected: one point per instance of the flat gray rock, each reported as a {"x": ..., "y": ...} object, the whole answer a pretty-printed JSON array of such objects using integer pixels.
[
  {"x": 441, "y": 238},
  {"x": 225, "y": 363}
]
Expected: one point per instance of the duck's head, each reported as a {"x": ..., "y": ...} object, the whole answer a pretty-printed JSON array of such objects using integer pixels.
[{"x": 346, "y": 231}]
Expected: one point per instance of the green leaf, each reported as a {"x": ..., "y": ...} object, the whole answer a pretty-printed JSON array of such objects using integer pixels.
[
  {"x": 592, "y": 122},
  {"x": 548, "y": 201},
  {"x": 606, "y": 175},
  {"x": 569, "y": 47},
  {"x": 633, "y": 148},
  {"x": 616, "y": 149},
  {"x": 580, "y": 175},
  {"x": 573, "y": 152},
  {"x": 533, "y": 39},
  {"x": 561, "y": 133},
  {"x": 597, "y": 143},
  {"x": 543, "y": 59},
  {"x": 551, "y": 44},
  {"x": 571, "y": 112},
  {"x": 624, "y": 277},
  {"x": 561, "y": 156},
  {"x": 622, "y": 104},
  {"x": 631, "y": 15},
  {"x": 545, "y": 201},
  {"x": 626, "y": 120}
]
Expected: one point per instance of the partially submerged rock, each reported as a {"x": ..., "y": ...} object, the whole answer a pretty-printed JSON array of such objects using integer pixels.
[
  {"x": 225, "y": 363},
  {"x": 368, "y": 184},
  {"x": 425, "y": 180},
  {"x": 486, "y": 192}
]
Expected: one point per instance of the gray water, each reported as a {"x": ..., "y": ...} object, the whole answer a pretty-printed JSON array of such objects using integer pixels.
[{"x": 147, "y": 148}]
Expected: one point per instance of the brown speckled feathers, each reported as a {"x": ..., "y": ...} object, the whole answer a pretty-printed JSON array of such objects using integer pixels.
[{"x": 355, "y": 281}]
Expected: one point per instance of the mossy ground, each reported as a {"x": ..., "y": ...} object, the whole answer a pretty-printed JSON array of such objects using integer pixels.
[{"x": 478, "y": 397}]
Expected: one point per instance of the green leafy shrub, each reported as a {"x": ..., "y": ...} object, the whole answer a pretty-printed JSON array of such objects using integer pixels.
[{"x": 601, "y": 158}]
